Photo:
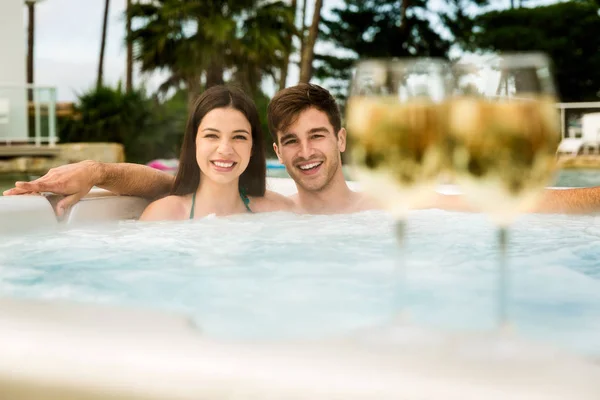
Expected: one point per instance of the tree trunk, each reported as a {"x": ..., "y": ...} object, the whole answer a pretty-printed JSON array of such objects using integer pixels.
[
  {"x": 129, "y": 67},
  {"x": 303, "y": 30},
  {"x": 30, "y": 44},
  {"x": 214, "y": 74},
  {"x": 405, "y": 5},
  {"x": 102, "y": 46},
  {"x": 193, "y": 88},
  {"x": 309, "y": 47},
  {"x": 286, "y": 57}
]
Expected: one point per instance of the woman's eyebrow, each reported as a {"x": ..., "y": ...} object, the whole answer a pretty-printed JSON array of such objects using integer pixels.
[{"x": 236, "y": 131}]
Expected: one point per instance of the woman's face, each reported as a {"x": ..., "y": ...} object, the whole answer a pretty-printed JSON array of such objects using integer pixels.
[{"x": 223, "y": 145}]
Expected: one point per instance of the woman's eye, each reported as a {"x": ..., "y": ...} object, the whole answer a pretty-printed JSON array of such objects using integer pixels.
[
  {"x": 241, "y": 137},
  {"x": 211, "y": 136}
]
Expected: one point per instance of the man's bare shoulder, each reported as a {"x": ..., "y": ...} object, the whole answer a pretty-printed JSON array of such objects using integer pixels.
[
  {"x": 364, "y": 202},
  {"x": 170, "y": 208},
  {"x": 271, "y": 201}
]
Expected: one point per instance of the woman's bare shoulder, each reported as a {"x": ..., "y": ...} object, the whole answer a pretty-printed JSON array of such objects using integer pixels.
[
  {"x": 168, "y": 208},
  {"x": 271, "y": 201}
]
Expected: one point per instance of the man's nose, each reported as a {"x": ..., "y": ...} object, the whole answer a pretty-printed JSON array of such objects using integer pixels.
[{"x": 306, "y": 149}]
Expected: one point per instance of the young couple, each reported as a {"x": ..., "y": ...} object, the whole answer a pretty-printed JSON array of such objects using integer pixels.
[
  {"x": 222, "y": 167},
  {"x": 223, "y": 170}
]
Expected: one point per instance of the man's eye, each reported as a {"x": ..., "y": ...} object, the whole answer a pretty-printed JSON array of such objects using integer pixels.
[
  {"x": 317, "y": 136},
  {"x": 291, "y": 141}
]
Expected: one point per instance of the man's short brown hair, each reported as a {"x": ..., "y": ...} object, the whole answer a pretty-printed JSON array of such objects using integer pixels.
[{"x": 288, "y": 103}]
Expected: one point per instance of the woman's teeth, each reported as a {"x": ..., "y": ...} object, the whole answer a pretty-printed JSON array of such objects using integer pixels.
[
  {"x": 310, "y": 166},
  {"x": 223, "y": 164}
]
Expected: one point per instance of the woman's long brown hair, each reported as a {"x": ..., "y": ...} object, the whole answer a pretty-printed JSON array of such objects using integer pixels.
[{"x": 253, "y": 179}]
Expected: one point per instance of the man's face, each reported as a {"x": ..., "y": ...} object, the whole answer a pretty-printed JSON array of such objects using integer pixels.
[{"x": 310, "y": 150}]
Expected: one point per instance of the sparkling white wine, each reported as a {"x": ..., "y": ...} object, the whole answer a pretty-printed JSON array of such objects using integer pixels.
[
  {"x": 396, "y": 149},
  {"x": 503, "y": 152}
]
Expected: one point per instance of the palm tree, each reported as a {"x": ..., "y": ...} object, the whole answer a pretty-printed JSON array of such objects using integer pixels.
[
  {"x": 102, "y": 45},
  {"x": 286, "y": 57},
  {"x": 264, "y": 45},
  {"x": 197, "y": 42},
  {"x": 129, "y": 65},
  {"x": 308, "y": 52}
]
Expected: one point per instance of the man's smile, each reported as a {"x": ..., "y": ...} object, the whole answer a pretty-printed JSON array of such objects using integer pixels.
[{"x": 310, "y": 168}]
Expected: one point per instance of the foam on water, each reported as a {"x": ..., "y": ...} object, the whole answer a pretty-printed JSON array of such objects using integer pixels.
[{"x": 287, "y": 276}]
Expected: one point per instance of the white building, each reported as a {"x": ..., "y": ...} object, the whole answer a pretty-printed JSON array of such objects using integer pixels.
[{"x": 13, "y": 93}]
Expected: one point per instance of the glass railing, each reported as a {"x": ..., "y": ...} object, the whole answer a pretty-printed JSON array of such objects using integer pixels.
[{"x": 27, "y": 115}]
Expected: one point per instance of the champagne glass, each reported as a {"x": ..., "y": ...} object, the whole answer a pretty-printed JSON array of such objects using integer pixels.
[
  {"x": 395, "y": 120},
  {"x": 503, "y": 133}
]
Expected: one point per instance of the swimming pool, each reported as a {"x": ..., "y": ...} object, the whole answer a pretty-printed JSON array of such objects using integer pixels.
[{"x": 282, "y": 276}]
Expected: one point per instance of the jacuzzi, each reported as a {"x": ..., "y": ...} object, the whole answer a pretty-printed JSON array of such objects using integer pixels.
[{"x": 281, "y": 306}]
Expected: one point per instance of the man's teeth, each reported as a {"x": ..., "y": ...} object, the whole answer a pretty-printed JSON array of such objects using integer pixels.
[
  {"x": 223, "y": 165},
  {"x": 309, "y": 166}
]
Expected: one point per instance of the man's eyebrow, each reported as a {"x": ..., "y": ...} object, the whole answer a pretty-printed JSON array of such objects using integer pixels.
[
  {"x": 287, "y": 136},
  {"x": 319, "y": 129}
]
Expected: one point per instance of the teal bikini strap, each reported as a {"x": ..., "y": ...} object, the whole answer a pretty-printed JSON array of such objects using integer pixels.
[
  {"x": 245, "y": 199},
  {"x": 193, "y": 204}
]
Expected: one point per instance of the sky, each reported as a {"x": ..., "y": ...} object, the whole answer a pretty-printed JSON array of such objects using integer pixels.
[{"x": 67, "y": 45}]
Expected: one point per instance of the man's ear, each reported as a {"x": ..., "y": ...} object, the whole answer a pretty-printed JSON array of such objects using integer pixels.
[
  {"x": 341, "y": 139},
  {"x": 277, "y": 152}
]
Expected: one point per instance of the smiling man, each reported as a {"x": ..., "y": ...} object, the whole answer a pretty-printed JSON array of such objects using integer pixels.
[
  {"x": 309, "y": 140},
  {"x": 305, "y": 123}
]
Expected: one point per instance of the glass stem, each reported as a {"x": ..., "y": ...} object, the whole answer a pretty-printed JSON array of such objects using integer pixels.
[
  {"x": 400, "y": 298},
  {"x": 502, "y": 299}
]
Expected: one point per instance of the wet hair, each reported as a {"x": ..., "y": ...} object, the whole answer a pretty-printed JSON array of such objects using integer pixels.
[
  {"x": 288, "y": 103},
  {"x": 253, "y": 179}
]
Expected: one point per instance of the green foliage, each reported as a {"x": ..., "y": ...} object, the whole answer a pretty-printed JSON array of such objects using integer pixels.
[
  {"x": 568, "y": 32},
  {"x": 146, "y": 128},
  {"x": 376, "y": 29},
  {"x": 200, "y": 41}
]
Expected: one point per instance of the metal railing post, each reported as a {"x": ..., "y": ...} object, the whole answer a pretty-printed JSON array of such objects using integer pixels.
[
  {"x": 52, "y": 117},
  {"x": 562, "y": 122},
  {"x": 38, "y": 117}
]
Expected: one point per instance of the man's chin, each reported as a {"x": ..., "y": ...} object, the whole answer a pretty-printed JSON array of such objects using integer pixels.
[{"x": 310, "y": 185}]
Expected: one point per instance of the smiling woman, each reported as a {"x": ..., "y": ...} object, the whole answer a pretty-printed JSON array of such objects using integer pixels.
[{"x": 222, "y": 164}]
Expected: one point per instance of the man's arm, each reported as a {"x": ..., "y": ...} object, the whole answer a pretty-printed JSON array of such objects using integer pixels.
[
  {"x": 559, "y": 201},
  {"x": 570, "y": 201},
  {"x": 75, "y": 181}
]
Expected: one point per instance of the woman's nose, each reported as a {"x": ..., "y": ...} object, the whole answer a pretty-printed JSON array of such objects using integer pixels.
[{"x": 225, "y": 147}]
